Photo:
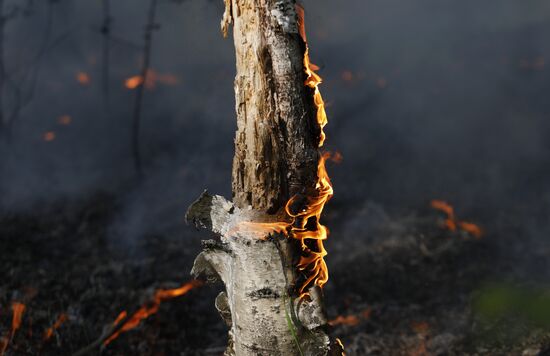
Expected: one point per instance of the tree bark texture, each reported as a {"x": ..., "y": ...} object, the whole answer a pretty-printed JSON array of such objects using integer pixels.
[
  {"x": 256, "y": 263},
  {"x": 276, "y": 145},
  {"x": 276, "y": 161}
]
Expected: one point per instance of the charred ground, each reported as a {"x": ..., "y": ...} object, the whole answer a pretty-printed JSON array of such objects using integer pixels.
[{"x": 414, "y": 289}]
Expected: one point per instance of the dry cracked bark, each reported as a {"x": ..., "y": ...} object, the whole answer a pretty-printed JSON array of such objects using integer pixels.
[{"x": 276, "y": 158}]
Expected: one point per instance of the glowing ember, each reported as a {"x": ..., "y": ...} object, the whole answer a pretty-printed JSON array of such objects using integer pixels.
[
  {"x": 151, "y": 79},
  {"x": 133, "y": 82},
  {"x": 18, "y": 309},
  {"x": 471, "y": 228},
  {"x": 48, "y": 136},
  {"x": 64, "y": 120},
  {"x": 336, "y": 157},
  {"x": 452, "y": 223},
  {"x": 422, "y": 330},
  {"x": 351, "y": 320},
  {"x": 50, "y": 331},
  {"x": 149, "y": 309},
  {"x": 347, "y": 76},
  {"x": 83, "y": 78},
  {"x": 259, "y": 228}
]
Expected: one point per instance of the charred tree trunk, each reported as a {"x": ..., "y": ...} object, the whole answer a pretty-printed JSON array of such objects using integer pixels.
[{"x": 276, "y": 161}]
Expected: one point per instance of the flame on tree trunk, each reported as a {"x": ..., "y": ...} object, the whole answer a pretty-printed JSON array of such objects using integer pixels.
[{"x": 270, "y": 252}]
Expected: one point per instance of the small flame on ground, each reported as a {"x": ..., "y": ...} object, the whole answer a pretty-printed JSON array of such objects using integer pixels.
[
  {"x": 351, "y": 320},
  {"x": 452, "y": 223},
  {"x": 83, "y": 78},
  {"x": 149, "y": 309},
  {"x": 347, "y": 76},
  {"x": 64, "y": 120},
  {"x": 422, "y": 329},
  {"x": 18, "y": 309},
  {"x": 133, "y": 82},
  {"x": 151, "y": 79},
  {"x": 58, "y": 322},
  {"x": 48, "y": 136}
]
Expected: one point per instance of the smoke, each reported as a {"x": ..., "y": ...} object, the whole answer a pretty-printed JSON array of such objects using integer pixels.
[{"x": 426, "y": 99}]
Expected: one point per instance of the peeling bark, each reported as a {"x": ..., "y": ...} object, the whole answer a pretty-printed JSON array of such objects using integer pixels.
[
  {"x": 276, "y": 145},
  {"x": 276, "y": 158},
  {"x": 256, "y": 265}
]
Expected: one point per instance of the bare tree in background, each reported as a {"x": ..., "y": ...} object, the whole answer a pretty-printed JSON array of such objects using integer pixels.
[
  {"x": 18, "y": 84},
  {"x": 106, "y": 53},
  {"x": 150, "y": 27}
]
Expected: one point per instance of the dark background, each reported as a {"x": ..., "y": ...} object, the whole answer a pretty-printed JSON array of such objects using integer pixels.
[{"x": 427, "y": 99}]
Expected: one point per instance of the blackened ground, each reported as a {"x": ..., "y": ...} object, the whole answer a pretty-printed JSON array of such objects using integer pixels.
[{"x": 411, "y": 287}]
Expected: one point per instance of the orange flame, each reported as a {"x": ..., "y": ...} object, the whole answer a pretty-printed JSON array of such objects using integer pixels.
[
  {"x": 133, "y": 82},
  {"x": 149, "y": 309},
  {"x": 311, "y": 238},
  {"x": 452, "y": 223},
  {"x": 347, "y": 76},
  {"x": 422, "y": 329},
  {"x": 18, "y": 309},
  {"x": 48, "y": 136},
  {"x": 49, "y": 331},
  {"x": 471, "y": 228},
  {"x": 64, "y": 120},
  {"x": 83, "y": 78},
  {"x": 152, "y": 77},
  {"x": 351, "y": 320},
  {"x": 339, "y": 342}
]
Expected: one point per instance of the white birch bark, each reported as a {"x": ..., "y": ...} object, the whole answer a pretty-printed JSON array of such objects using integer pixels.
[{"x": 276, "y": 158}]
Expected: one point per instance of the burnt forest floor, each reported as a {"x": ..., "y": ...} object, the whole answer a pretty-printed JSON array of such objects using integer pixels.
[{"x": 410, "y": 287}]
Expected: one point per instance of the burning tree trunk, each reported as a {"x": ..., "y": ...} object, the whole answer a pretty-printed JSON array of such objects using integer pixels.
[{"x": 270, "y": 253}]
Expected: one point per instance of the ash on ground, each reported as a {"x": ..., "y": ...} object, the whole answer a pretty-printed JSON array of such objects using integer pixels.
[{"x": 401, "y": 285}]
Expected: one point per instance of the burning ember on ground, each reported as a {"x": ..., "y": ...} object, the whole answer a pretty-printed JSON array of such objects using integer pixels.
[
  {"x": 351, "y": 320},
  {"x": 422, "y": 330},
  {"x": 83, "y": 78},
  {"x": 17, "y": 309},
  {"x": 64, "y": 120},
  {"x": 124, "y": 323},
  {"x": 452, "y": 223},
  {"x": 62, "y": 318},
  {"x": 48, "y": 136},
  {"x": 151, "y": 80}
]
